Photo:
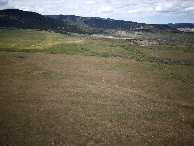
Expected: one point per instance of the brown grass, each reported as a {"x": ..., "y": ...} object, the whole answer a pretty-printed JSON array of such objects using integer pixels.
[{"x": 56, "y": 99}]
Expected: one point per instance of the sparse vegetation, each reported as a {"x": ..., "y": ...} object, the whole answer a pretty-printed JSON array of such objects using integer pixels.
[{"x": 58, "y": 89}]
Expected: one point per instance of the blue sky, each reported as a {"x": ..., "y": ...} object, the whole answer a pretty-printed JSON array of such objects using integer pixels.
[{"x": 142, "y": 11}]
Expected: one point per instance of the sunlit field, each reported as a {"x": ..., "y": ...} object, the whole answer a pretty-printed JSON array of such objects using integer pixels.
[{"x": 58, "y": 89}]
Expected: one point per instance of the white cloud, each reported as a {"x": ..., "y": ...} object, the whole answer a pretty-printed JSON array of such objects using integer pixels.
[
  {"x": 90, "y": 2},
  {"x": 189, "y": 9},
  {"x": 138, "y": 10},
  {"x": 105, "y": 9},
  {"x": 116, "y": 9},
  {"x": 166, "y": 6}
]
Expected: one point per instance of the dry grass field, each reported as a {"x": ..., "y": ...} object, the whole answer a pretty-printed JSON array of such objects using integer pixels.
[{"x": 64, "y": 90}]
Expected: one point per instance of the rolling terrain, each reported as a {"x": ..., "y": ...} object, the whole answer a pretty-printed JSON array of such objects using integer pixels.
[
  {"x": 69, "y": 23},
  {"x": 30, "y": 20},
  {"x": 101, "y": 23},
  {"x": 120, "y": 87}
]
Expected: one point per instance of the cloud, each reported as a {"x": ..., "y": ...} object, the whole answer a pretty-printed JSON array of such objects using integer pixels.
[
  {"x": 189, "y": 9},
  {"x": 165, "y": 7},
  {"x": 116, "y": 9},
  {"x": 3, "y": 2},
  {"x": 90, "y": 2},
  {"x": 138, "y": 10},
  {"x": 105, "y": 9}
]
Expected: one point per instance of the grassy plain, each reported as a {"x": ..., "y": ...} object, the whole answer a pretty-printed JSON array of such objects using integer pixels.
[{"x": 64, "y": 90}]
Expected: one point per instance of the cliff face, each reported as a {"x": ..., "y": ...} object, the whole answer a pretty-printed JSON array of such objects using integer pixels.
[
  {"x": 70, "y": 23},
  {"x": 97, "y": 22},
  {"x": 101, "y": 23}
]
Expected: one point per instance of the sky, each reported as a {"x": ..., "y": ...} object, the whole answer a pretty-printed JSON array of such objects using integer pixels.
[{"x": 141, "y": 11}]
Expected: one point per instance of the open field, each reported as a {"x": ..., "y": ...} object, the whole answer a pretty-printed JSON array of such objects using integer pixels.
[{"x": 65, "y": 90}]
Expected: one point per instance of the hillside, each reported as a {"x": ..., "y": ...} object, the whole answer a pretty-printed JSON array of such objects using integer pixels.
[
  {"x": 186, "y": 27},
  {"x": 70, "y": 23},
  {"x": 181, "y": 25},
  {"x": 31, "y": 20},
  {"x": 97, "y": 22}
]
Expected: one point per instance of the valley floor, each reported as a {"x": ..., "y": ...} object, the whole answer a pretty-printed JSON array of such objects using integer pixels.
[{"x": 49, "y": 98}]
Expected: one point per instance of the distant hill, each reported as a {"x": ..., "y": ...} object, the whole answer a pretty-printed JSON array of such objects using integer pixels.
[
  {"x": 31, "y": 20},
  {"x": 97, "y": 22},
  {"x": 181, "y": 25},
  {"x": 70, "y": 23}
]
